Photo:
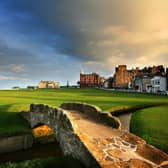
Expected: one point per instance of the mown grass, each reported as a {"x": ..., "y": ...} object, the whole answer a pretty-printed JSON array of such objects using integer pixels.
[
  {"x": 151, "y": 124},
  {"x": 14, "y": 101}
]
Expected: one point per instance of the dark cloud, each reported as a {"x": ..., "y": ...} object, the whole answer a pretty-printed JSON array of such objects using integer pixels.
[
  {"x": 84, "y": 25},
  {"x": 10, "y": 55},
  {"x": 45, "y": 38}
]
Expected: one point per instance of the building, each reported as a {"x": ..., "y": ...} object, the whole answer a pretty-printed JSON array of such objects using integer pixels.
[
  {"x": 158, "y": 84},
  {"x": 109, "y": 83},
  {"x": 16, "y": 88},
  {"x": 32, "y": 87},
  {"x": 91, "y": 80},
  {"x": 158, "y": 70},
  {"x": 101, "y": 81},
  {"x": 124, "y": 78},
  {"x": 48, "y": 84},
  {"x": 167, "y": 78},
  {"x": 142, "y": 83}
]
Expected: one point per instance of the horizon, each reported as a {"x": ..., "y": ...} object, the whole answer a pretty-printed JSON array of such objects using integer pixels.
[
  {"x": 54, "y": 40},
  {"x": 74, "y": 83}
]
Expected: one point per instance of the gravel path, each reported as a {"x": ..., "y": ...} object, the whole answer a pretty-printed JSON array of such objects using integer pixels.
[
  {"x": 108, "y": 145},
  {"x": 92, "y": 127}
]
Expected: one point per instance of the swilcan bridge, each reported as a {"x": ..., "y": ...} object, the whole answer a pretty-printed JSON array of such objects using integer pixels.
[{"x": 95, "y": 138}]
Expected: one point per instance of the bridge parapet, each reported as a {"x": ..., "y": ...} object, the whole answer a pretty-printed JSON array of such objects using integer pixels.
[
  {"x": 94, "y": 112},
  {"x": 87, "y": 137}
]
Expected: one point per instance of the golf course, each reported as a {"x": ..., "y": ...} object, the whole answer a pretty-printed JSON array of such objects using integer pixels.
[{"x": 148, "y": 122}]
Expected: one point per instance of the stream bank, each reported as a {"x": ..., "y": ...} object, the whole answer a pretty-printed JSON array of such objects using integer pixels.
[
  {"x": 37, "y": 151},
  {"x": 125, "y": 120}
]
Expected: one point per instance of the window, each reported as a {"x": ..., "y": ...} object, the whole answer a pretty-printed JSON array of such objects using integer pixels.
[{"x": 157, "y": 82}]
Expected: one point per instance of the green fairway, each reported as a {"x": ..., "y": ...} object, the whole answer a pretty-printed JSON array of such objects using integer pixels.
[
  {"x": 151, "y": 124},
  {"x": 14, "y": 101}
]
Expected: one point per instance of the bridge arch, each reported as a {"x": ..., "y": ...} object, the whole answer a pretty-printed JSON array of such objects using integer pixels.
[
  {"x": 114, "y": 148},
  {"x": 64, "y": 130}
]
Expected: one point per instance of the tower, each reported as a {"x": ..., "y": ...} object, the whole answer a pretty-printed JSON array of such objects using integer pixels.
[{"x": 67, "y": 84}]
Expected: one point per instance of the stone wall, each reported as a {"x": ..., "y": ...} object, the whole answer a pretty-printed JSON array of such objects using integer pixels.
[
  {"x": 123, "y": 77},
  {"x": 117, "y": 149},
  {"x": 64, "y": 130},
  {"x": 14, "y": 143},
  {"x": 93, "y": 112}
]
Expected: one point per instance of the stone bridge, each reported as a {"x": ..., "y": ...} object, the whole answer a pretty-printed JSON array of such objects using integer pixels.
[{"x": 95, "y": 138}]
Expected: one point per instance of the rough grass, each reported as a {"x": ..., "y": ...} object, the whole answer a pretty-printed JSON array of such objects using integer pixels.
[
  {"x": 12, "y": 102},
  {"x": 53, "y": 162},
  {"x": 151, "y": 124}
]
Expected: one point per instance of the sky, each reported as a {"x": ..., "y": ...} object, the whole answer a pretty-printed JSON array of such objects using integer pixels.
[{"x": 55, "y": 39}]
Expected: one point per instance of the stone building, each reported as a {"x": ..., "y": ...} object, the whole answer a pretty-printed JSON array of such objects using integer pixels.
[
  {"x": 124, "y": 78},
  {"x": 48, "y": 84},
  {"x": 109, "y": 83},
  {"x": 91, "y": 80},
  {"x": 159, "y": 70}
]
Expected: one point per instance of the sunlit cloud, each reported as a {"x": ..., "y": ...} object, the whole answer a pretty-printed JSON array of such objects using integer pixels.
[{"x": 55, "y": 39}]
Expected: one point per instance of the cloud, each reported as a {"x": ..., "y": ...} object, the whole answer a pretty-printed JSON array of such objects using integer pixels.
[
  {"x": 13, "y": 78},
  {"x": 95, "y": 30},
  {"x": 54, "y": 39},
  {"x": 100, "y": 31},
  {"x": 17, "y": 67}
]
